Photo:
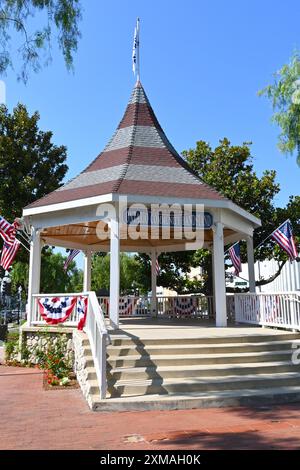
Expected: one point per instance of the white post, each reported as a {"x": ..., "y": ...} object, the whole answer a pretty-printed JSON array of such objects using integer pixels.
[
  {"x": 153, "y": 284},
  {"x": 251, "y": 271},
  {"x": 87, "y": 271},
  {"x": 213, "y": 304},
  {"x": 219, "y": 273},
  {"x": 34, "y": 272},
  {"x": 114, "y": 293}
]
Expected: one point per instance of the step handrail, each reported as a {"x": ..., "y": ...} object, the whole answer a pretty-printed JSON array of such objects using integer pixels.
[{"x": 98, "y": 336}]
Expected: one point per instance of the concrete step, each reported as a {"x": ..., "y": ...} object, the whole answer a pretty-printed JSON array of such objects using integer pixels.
[
  {"x": 142, "y": 373},
  {"x": 247, "y": 397},
  {"x": 199, "y": 359},
  {"x": 123, "y": 340},
  {"x": 116, "y": 351},
  {"x": 203, "y": 384}
]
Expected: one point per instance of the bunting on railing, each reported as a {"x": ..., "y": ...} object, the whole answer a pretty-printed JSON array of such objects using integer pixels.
[
  {"x": 82, "y": 305},
  {"x": 184, "y": 305},
  {"x": 56, "y": 310},
  {"x": 127, "y": 305}
]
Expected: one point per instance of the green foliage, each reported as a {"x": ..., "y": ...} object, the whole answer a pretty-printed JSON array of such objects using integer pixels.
[
  {"x": 132, "y": 275},
  {"x": 31, "y": 166},
  {"x": 53, "y": 277},
  {"x": 285, "y": 96},
  {"x": 229, "y": 169},
  {"x": 11, "y": 346},
  {"x": 57, "y": 17},
  {"x": 53, "y": 358}
]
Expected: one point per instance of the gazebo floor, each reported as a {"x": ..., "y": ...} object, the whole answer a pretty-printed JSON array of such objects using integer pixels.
[{"x": 146, "y": 328}]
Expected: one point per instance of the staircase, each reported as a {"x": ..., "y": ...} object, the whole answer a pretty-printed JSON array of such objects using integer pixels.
[{"x": 170, "y": 373}]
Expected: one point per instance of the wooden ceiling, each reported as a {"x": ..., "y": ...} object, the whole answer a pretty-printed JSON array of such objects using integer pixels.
[{"x": 95, "y": 235}]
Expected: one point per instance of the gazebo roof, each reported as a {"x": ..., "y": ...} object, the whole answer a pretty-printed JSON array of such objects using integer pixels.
[{"x": 138, "y": 160}]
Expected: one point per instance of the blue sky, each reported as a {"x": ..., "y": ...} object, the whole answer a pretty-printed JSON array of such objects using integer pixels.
[{"x": 202, "y": 63}]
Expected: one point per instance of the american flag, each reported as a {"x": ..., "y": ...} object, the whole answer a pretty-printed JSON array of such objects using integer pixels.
[
  {"x": 283, "y": 235},
  {"x": 7, "y": 231},
  {"x": 157, "y": 267},
  {"x": 235, "y": 256},
  {"x": 70, "y": 258},
  {"x": 8, "y": 254}
]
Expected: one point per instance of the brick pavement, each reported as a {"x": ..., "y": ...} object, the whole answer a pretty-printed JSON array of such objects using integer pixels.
[{"x": 32, "y": 418}]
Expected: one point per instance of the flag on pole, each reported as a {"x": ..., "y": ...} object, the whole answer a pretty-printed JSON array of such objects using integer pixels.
[
  {"x": 8, "y": 254},
  {"x": 135, "y": 49},
  {"x": 70, "y": 258},
  {"x": 157, "y": 267},
  {"x": 235, "y": 256},
  {"x": 283, "y": 235},
  {"x": 7, "y": 231}
]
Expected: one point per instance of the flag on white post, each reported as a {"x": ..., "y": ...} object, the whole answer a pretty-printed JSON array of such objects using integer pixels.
[{"x": 135, "y": 50}]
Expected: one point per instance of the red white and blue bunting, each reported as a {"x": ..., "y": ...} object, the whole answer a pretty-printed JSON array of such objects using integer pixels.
[
  {"x": 184, "y": 306},
  {"x": 82, "y": 305},
  {"x": 56, "y": 310}
]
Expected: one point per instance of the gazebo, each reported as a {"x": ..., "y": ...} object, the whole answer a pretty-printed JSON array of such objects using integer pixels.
[{"x": 138, "y": 172}]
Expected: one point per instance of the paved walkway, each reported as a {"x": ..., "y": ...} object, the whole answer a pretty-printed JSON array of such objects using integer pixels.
[{"x": 32, "y": 418}]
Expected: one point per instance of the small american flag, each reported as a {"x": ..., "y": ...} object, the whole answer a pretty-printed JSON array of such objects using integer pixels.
[
  {"x": 70, "y": 258},
  {"x": 235, "y": 256},
  {"x": 8, "y": 254},
  {"x": 283, "y": 235},
  {"x": 7, "y": 231},
  {"x": 157, "y": 267}
]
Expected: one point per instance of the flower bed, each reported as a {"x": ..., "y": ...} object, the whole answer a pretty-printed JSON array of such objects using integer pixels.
[{"x": 72, "y": 382}]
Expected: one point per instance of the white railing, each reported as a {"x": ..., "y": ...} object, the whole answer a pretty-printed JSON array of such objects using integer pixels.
[
  {"x": 94, "y": 328},
  {"x": 35, "y": 318},
  {"x": 99, "y": 339},
  {"x": 278, "y": 309},
  {"x": 189, "y": 306},
  {"x": 129, "y": 305},
  {"x": 185, "y": 306}
]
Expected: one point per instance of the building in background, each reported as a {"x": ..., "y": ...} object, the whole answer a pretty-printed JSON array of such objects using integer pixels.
[{"x": 287, "y": 281}]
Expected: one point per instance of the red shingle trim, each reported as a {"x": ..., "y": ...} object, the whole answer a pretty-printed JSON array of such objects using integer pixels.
[
  {"x": 144, "y": 116},
  {"x": 109, "y": 159},
  {"x": 147, "y": 188},
  {"x": 73, "y": 194}
]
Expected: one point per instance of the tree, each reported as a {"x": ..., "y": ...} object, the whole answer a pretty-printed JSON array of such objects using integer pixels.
[
  {"x": 59, "y": 17},
  {"x": 31, "y": 166},
  {"x": 132, "y": 276},
  {"x": 229, "y": 169},
  {"x": 285, "y": 96},
  {"x": 53, "y": 277}
]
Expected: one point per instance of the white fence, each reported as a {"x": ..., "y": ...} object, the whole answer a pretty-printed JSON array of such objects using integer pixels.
[{"x": 279, "y": 309}]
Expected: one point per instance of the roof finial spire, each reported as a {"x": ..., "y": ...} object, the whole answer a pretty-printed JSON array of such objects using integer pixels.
[{"x": 136, "y": 51}]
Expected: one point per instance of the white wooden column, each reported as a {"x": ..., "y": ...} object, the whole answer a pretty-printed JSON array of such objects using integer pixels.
[
  {"x": 251, "y": 271},
  {"x": 114, "y": 293},
  {"x": 34, "y": 271},
  {"x": 219, "y": 274},
  {"x": 153, "y": 284},
  {"x": 213, "y": 304},
  {"x": 87, "y": 271}
]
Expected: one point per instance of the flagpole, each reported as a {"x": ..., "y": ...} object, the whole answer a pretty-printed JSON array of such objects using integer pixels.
[{"x": 138, "y": 49}]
